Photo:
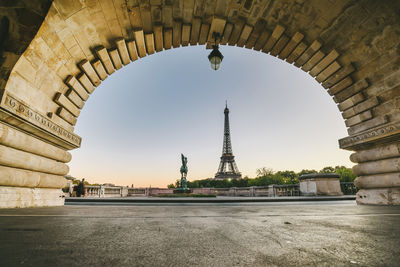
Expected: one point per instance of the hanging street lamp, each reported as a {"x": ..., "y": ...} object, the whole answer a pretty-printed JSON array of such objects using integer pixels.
[{"x": 215, "y": 57}]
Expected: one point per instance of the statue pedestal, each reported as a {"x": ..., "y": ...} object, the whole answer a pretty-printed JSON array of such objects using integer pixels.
[
  {"x": 320, "y": 184},
  {"x": 182, "y": 191}
]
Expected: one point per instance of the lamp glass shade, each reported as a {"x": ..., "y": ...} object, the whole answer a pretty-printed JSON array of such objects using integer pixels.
[
  {"x": 215, "y": 58},
  {"x": 215, "y": 62}
]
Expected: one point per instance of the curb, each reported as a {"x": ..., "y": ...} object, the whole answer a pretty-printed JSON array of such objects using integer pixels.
[{"x": 208, "y": 200}]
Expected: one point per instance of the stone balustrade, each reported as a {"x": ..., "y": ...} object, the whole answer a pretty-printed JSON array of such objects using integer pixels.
[{"x": 253, "y": 191}]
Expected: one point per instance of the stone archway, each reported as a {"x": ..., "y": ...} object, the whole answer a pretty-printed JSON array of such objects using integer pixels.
[{"x": 350, "y": 47}]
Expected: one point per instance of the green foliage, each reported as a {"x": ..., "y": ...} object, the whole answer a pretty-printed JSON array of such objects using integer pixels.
[
  {"x": 306, "y": 172},
  {"x": 264, "y": 171},
  {"x": 266, "y": 176},
  {"x": 171, "y": 186},
  {"x": 327, "y": 170},
  {"x": 346, "y": 174}
]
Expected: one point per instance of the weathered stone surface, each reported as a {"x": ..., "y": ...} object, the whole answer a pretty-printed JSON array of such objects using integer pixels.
[
  {"x": 384, "y": 196},
  {"x": 140, "y": 44},
  {"x": 310, "y": 51},
  {"x": 377, "y": 167},
  {"x": 381, "y": 152},
  {"x": 355, "y": 99},
  {"x": 385, "y": 180},
  {"x": 87, "y": 84},
  {"x": 177, "y": 36},
  {"x": 247, "y": 29},
  {"x": 377, "y": 121},
  {"x": 23, "y": 197},
  {"x": 204, "y": 29},
  {"x": 262, "y": 40},
  {"x": 105, "y": 58},
  {"x": 20, "y": 159},
  {"x": 383, "y": 133},
  {"x": 346, "y": 82},
  {"x": 123, "y": 51},
  {"x": 74, "y": 98},
  {"x": 227, "y": 33},
  {"x": 16, "y": 139},
  {"x": 328, "y": 71},
  {"x": 66, "y": 115},
  {"x": 320, "y": 186},
  {"x": 158, "y": 37},
  {"x": 194, "y": 35},
  {"x": 60, "y": 121},
  {"x": 73, "y": 83},
  {"x": 115, "y": 58},
  {"x": 255, "y": 34},
  {"x": 299, "y": 50},
  {"x": 23, "y": 178},
  {"x": 313, "y": 61},
  {"x": 237, "y": 29},
  {"x": 279, "y": 45},
  {"x": 167, "y": 38},
  {"x": 90, "y": 72},
  {"x": 275, "y": 35},
  {"x": 149, "y": 37},
  {"x": 133, "y": 53},
  {"x": 367, "y": 104},
  {"x": 338, "y": 76},
  {"x": 366, "y": 115},
  {"x": 217, "y": 26},
  {"x": 324, "y": 63},
  {"x": 33, "y": 122},
  {"x": 99, "y": 68},
  {"x": 291, "y": 45},
  {"x": 67, "y": 104},
  {"x": 351, "y": 90}
]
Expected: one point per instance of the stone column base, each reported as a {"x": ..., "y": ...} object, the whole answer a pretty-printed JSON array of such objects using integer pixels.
[
  {"x": 381, "y": 196},
  {"x": 24, "y": 197}
]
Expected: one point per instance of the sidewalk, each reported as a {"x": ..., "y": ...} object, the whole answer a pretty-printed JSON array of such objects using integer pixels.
[{"x": 242, "y": 234}]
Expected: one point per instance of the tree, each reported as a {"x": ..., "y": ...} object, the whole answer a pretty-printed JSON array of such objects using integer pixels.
[
  {"x": 306, "y": 172},
  {"x": 264, "y": 171},
  {"x": 266, "y": 176},
  {"x": 328, "y": 169},
  {"x": 290, "y": 177},
  {"x": 346, "y": 174}
]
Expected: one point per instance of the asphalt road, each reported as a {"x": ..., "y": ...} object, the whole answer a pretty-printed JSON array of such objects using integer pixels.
[{"x": 246, "y": 234}]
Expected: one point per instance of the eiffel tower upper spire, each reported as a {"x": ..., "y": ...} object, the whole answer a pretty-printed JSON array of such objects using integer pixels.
[{"x": 227, "y": 167}]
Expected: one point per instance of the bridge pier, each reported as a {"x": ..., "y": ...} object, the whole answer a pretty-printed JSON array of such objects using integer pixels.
[{"x": 378, "y": 171}]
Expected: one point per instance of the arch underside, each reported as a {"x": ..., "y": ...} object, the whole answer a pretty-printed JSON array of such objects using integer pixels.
[{"x": 350, "y": 47}]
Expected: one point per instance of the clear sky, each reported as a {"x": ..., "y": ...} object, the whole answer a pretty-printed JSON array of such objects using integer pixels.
[{"x": 138, "y": 121}]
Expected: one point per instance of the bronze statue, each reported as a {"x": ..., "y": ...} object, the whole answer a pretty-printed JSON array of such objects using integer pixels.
[{"x": 184, "y": 171}]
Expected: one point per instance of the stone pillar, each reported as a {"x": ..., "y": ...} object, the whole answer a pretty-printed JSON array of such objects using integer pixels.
[
  {"x": 33, "y": 156},
  {"x": 124, "y": 191},
  {"x": 271, "y": 190},
  {"x": 252, "y": 192},
  {"x": 378, "y": 171},
  {"x": 102, "y": 191}
]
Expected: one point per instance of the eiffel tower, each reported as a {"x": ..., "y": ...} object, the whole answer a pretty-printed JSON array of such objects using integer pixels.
[{"x": 227, "y": 168}]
